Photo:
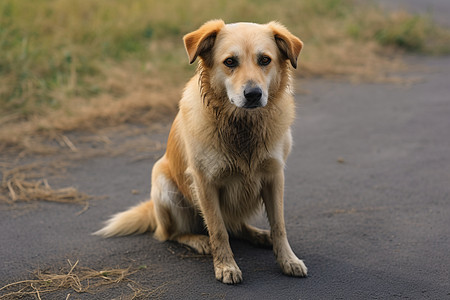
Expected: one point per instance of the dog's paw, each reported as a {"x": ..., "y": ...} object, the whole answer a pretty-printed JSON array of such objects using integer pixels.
[
  {"x": 202, "y": 245},
  {"x": 294, "y": 267},
  {"x": 229, "y": 274},
  {"x": 198, "y": 243},
  {"x": 256, "y": 236},
  {"x": 262, "y": 238}
]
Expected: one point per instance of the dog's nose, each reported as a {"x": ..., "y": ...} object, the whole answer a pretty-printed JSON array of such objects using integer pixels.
[{"x": 252, "y": 95}]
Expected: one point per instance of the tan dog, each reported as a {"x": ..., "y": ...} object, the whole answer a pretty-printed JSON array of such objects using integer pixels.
[{"x": 227, "y": 148}]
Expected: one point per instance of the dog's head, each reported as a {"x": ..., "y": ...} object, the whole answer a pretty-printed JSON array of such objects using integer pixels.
[{"x": 246, "y": 61}]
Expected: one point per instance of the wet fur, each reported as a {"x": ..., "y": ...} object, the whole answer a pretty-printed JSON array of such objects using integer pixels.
[{"x": 223, "y": 162}]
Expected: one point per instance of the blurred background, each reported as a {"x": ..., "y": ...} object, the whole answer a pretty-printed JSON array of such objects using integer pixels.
[{"x": 75, "y": 65}]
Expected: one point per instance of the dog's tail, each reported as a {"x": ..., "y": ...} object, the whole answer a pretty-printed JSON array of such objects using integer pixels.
[{"x": 137, "y": 219}]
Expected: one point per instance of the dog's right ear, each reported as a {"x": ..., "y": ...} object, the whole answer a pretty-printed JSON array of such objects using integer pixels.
[{"x": 199, "y": 42}]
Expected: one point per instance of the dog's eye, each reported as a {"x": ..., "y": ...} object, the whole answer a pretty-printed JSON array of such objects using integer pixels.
[
  {"x": 230, "y": 62},
  {"x": 264, "y": 60}
]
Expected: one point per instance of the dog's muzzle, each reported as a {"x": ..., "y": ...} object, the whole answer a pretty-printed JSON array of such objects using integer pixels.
[{"x": 252, "y": 97}]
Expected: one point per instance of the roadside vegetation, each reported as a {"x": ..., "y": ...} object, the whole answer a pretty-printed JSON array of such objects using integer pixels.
[{"x": 76, "y": 65}]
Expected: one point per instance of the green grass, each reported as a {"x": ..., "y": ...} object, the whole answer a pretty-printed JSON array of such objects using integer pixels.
[
  {"x": 56, "y": 52},
  {"x": 415, "y": 34}
]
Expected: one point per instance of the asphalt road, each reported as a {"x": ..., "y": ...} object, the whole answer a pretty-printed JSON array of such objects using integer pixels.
[{"x": 367, "y": 206}]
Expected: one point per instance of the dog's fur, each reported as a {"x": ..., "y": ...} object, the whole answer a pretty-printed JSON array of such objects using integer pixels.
[{"x": 227, "y": 148}]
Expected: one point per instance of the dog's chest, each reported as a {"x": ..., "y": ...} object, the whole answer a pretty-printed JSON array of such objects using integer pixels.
[
  {"x": 239, "y": 181},
  {"x": 239, "y": 184},
  {"x": 220, "y": 166},
  {"x": 240, "y": 196}
]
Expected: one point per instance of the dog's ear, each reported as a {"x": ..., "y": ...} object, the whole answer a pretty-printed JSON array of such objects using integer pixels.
[
  {"x": 202, "y": 40},
  {"x": 289, "y": 45}
]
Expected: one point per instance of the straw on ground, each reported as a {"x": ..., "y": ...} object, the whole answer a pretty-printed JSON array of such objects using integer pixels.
[{"x": 77, "y": 279}]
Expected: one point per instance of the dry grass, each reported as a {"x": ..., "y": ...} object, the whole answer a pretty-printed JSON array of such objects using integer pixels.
[
  {"x": 76, "y": 279},
  {"x": 26, "y": 184},
  {"x": 141, "y": 100}
]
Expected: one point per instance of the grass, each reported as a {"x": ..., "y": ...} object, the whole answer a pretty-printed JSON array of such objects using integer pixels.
[
  {"x": 67, "y": 65},
  {"x": 26, "y": 183},
  {"x": 77, "y": 280}
]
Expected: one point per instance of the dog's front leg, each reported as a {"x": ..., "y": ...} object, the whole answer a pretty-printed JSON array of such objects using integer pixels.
[
  {"x": 225, "y": 267},
  {"x": 272, "y": 194}
]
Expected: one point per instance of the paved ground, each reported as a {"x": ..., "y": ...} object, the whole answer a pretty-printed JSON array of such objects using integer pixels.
[{"x": 367, "y": 206}]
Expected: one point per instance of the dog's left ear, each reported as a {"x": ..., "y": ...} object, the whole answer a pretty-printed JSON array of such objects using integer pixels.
[
  {"x": 199, "y": 42},
  {"x": 289, "y": 45}
]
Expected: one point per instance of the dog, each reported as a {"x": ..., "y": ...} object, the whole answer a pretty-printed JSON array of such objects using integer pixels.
[{"x": 226, "y": 149}]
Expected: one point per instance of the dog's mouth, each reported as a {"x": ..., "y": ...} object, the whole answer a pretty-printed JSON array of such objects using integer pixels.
[
  {"x": 247, "y": 105},
  {"x": 252, "y": 106}
]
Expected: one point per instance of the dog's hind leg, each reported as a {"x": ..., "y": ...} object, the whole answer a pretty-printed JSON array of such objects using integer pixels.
[
  {"x": 177, "y": 219},
  {"x": 178, "y": 223},
  {"x": 256, "y": 236},
  {"x": 172, "y": 225}
]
